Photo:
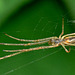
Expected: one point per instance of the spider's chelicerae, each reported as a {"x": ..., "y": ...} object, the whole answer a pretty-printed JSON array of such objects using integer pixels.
[{"x": 66, "y": 40}]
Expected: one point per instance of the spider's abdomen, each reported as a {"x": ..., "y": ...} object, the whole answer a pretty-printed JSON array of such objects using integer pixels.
[{"x": 70, "y": 40}]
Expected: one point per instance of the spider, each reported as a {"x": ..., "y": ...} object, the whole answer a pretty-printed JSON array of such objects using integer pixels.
[{"x": 66, "y": 40}]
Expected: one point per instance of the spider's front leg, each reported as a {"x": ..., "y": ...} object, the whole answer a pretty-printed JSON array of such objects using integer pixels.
[
  {"x": 37, "y": 40},
  {"x": 7, "y": 56},
  {"x": 25, "y": 50},
  {"x": 32, "y": 49}
]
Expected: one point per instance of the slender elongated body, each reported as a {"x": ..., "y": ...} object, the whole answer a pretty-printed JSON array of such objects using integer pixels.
[{"x": 66, "y": 40}]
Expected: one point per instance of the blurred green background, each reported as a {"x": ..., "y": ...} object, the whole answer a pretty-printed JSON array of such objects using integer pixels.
[{"x": 31, "y": 19}]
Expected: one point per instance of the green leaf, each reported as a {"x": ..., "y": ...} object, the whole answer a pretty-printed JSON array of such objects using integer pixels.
[{"x": 35, "y": 20}]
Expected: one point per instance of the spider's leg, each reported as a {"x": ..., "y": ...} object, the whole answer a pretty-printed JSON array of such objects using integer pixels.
[
  {"x": 7, "y": 56},
  {"x": 28, "y": 44},
  {"x": 19, "y": 39},
  {"x": 70, "y": 44},
  {"x": 38, "y": 40},
  {"x": 31, "y": 49},
  {"x": 24, "y": 50},
  {"x": 65, "y": 48},
  {"x": 62, "y": 28}
]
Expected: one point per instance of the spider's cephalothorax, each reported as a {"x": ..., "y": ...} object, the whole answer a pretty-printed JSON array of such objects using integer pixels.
[{"x": 55, "y": 41}]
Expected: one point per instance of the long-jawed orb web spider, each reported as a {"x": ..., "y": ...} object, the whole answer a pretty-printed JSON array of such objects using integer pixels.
[{"x": 66, "y": 40}]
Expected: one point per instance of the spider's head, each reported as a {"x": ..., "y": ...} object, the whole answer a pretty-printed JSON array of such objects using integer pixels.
[{"x": 54, "y": 41}]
